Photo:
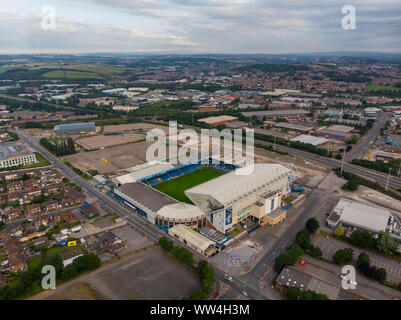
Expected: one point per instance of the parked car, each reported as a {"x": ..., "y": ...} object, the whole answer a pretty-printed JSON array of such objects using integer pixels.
[
  {"x": 228, "y": 277},
  {"x": 216, "y": 294},
  {"x": 244, "y": 293}
]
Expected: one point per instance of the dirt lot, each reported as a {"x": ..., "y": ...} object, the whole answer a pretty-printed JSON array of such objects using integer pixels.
[
  {"x": 148, "y": 275},
  {"x": 120, "y": 157},
  {"x": 103, "y": 141}
]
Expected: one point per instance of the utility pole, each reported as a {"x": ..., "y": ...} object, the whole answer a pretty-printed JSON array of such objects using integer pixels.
[
  {"x": 274, "y": 145},
  {"x": 342, "y": 163},
  {"x": 388, "y": 178}
]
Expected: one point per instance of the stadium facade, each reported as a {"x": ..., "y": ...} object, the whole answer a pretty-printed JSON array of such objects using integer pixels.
[{"x": 219, "y": 203}]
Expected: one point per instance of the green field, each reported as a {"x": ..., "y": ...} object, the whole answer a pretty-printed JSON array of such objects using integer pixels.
[
  {"x": 175, "y": 188},
  {"x": 373, "y": 88},
  {"x": 68, "y": 74}
]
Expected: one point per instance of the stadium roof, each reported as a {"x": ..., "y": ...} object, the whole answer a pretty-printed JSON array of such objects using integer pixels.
[
  {"x": 145, "y": 196},
  {"x": 360, "y": 215},
  {"x": 143, "y": 173},
  {"x": 226, "y": 189},
  {"x": 180, "y": 211},
  {"x": 304, "y": 138}
]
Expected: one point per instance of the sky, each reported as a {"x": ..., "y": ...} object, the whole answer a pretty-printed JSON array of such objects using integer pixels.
[{"x": 197, "y": 26}]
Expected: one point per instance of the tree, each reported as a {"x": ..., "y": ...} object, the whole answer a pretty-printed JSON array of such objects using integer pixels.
[
  {"x": 315, "y": 251},
  {"x": 303, "y": 239},
  {"x": 363, "y": 258},
  {"x": 312, "y": 225},
  {"x": 295, "y": 250},
  {"x": 340, "y": 231},
  {"x": 342, "y": 256},
  {"x": 354, "y": 140},
  {"x": 381, "y": 275},
  {"x": 351, "y": 185},
  {"x": 166, "y": 244},
  {"x": 285, "y": 259},
  {"x": 294, "y": 293},
  {"x": 363, "y": 239},
  {"x": 386, "y": 244},
  {"x": 201, "y": 266},
  {"x": 69, "y": 272}
]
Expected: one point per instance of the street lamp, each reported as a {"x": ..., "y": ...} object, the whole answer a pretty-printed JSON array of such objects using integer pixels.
[{"x": 388, "y": 178}]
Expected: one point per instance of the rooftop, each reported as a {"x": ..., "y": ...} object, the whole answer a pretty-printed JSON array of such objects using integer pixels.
[
  {"x": 12, "y": 151},
  {"x": 359, "y": 214},
  {"x": 191, "y": 236},
  {"x": 304, "y": 138}
]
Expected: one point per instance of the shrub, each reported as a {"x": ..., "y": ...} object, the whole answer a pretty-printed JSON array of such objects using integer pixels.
[{"x": 342, "y": 256}]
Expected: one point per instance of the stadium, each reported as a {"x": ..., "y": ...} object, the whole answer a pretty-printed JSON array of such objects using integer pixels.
[{"x": 206, "y": 196}]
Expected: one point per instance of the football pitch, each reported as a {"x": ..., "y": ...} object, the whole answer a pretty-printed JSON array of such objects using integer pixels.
[{"x": 175, "y": 188}]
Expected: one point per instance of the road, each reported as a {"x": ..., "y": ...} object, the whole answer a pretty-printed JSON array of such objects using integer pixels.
[
  {"x": 366, "y": 142},
  {"x": 6, "y": 96}
]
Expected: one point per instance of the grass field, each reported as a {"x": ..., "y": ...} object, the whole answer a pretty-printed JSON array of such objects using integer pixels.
[
  {"x": 68, "y": 74},
  {"x": 373, "y": 88},
  {"x": 175, "y": 188}
]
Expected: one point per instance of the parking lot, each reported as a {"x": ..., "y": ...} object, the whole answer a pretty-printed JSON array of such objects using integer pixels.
[{"x": 330, "y": 246}]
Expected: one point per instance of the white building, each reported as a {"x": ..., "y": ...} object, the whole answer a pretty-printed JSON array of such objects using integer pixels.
[{"x": 15, "y": 155}]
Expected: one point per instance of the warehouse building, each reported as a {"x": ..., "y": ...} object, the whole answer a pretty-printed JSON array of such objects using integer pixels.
[
  {"x": 215, "y": 121},
  {"x": 316, "y": 141},
  {"x": 337, "y": 132},
  {"x": 296, "y": 127},
  {"x": 333, "y": 113},
  {"x": 74, "y": 128},
  {"x": 372, "y": 112},
  {"x": 16, "y": 155},
  {"x": 276, "y": 114},
  {"x": 355, "y": 214}
]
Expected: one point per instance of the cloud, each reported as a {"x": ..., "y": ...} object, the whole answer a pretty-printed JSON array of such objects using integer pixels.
[{"x": 236, "y": 26}]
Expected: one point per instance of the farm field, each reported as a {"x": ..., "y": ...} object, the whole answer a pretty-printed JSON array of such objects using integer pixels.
[{"x": 175, "y": 188}]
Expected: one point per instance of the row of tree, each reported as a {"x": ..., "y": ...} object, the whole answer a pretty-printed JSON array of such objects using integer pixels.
[
  {"x": 370, "y": 271},
  {"x": 301, "y": 245},
  {"x": 29, "y": 281},
  {"x": 59, "y": 148}
]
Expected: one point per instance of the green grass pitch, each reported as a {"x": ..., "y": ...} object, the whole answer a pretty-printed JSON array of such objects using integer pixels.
[{"x": 175, "y": 188}]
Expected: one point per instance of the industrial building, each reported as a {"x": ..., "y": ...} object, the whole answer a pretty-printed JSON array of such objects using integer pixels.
[
  {"x": 316, "y": 141},
  {"x": 74, "y": 128},
  {"x": 275, "y": 114},
  {"x": 355, "y": 214},
  {"x": 333, "y": 113},
  {"x": 372, "y": 112},
  {"x": 296, "y": 127},
  {"x": 16, "y": 155},
  {"x": 337, "y": 132},
  {"x": 215, "y": 121},
  {"x": 193, "y": 239}
]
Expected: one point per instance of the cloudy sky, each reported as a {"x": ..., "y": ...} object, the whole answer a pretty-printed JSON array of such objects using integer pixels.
[{"x": 198, "y": 26}]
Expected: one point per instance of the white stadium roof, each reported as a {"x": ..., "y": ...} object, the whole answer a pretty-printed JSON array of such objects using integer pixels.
[
  {"x": 137, "y": 175},
  {"x": 230, "y": 187},
  {"x": 180, "y": 211},
  {"x": 362, "y": 215}
]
